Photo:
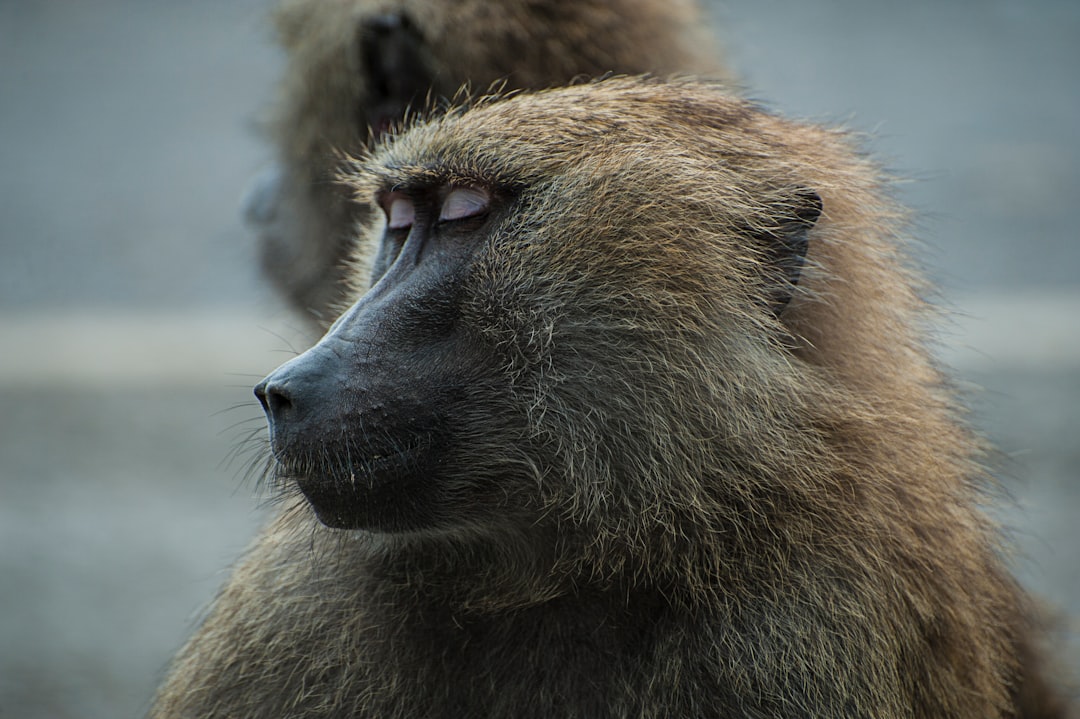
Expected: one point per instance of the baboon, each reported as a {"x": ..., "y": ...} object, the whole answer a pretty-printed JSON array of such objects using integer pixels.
[
  {"x": 360, "y": 64},
  {"x": 636, "y": 419}
]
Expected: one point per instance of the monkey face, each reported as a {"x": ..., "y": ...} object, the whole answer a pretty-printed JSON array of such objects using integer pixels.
[
  {"x": 529, "y": 297},
  {"x": 372, "y": 423}
]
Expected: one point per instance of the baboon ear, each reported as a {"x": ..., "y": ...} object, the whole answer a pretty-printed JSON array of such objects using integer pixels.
[
  {"x": 396, "y": 66},
  {"x": 787, "y": 242}
]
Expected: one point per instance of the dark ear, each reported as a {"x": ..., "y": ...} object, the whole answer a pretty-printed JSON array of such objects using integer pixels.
[
  {"x": 786, "y": 244},
  {"x": 397, "y": 68}
]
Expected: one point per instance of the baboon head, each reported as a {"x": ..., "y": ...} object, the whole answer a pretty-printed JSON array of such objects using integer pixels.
[{"x": 576, "y": 319}]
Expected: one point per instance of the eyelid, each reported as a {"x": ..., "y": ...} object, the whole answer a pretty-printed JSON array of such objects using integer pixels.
[
  {"x": 400, "y": 211},
  {"x": 463, "y": 202}
]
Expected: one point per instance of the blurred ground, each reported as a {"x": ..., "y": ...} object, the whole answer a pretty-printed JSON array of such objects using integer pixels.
[{"x": 132, "y": 320}]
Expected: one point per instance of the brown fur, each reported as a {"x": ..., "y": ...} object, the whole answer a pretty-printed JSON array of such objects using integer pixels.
[
  {"x": 326, "y": 106},
  {"x": 700, "y": 508}
]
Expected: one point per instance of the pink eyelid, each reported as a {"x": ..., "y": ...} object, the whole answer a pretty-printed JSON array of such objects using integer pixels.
[
  {"x": 400, "y": 213},
  {"x": 462, "y": 202}
]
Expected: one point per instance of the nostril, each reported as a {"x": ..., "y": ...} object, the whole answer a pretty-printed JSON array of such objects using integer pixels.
[
  {"x": 274, "y": 398},
  {"x": 278, "y": 401},
  {"x": 295, "y": 395},
  {"x": 260, "y": 394}
]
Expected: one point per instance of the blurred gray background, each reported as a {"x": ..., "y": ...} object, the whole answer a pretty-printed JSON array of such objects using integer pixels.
[{"x": 133, "y": 322}]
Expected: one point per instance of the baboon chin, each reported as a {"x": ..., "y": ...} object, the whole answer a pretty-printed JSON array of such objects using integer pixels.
[
  {"x": 356, "y": 68},
  {"x": 634, "y": 418}
]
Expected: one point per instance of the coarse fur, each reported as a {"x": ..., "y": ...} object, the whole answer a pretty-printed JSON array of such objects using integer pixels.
[
  {"x": 354, "y": 65},
  {"x": 686, "y": 499}
]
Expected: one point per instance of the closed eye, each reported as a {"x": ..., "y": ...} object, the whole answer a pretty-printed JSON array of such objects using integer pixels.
[
  {"x": 400, "y": 212},
  {"x": 463, "y": 202}
]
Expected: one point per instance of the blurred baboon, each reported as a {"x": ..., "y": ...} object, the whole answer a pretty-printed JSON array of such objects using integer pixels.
[
  {"x": 360, "y": 64},
  {"x": 635, "y": 420}
]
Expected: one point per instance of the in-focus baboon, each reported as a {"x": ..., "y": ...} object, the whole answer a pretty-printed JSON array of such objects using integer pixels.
[
  {"x": 355, "y": 64},
  {"x": 636, "y": 420}
]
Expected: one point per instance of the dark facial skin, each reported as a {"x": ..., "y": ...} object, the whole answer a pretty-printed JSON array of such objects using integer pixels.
[
  {"x": 366, "y": 421},
  {"x": 382, "y": 424}
]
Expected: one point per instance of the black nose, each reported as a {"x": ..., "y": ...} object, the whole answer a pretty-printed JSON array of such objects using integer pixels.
[{"x": 298, "y": 397}]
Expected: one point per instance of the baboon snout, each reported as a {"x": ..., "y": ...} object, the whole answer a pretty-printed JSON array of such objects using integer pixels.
[{"x": 294, "y": 397}]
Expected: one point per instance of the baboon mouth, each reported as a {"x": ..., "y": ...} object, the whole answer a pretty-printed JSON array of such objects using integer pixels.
[
  {"x": 344, "y": 494},
  {"x": 353, "y": 468}
]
